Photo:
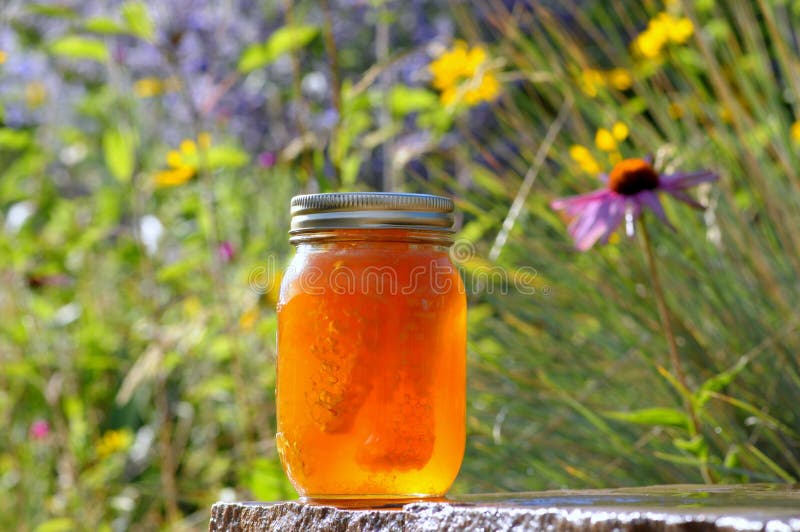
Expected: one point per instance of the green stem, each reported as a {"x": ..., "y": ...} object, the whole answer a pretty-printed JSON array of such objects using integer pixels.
[{"x": 666, "y": 325}]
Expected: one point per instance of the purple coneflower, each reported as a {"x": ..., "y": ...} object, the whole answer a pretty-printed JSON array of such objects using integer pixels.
[{"x": 632, "y": 186}]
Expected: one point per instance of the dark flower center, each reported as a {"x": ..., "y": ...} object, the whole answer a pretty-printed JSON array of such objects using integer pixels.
[{"x": 631, "y": 176}]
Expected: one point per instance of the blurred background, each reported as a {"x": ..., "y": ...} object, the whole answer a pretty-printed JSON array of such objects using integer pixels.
[{"x": 148, "y": 152}]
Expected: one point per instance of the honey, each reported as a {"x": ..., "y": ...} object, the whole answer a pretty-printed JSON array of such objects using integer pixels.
[{"x": 371, "y": 364}]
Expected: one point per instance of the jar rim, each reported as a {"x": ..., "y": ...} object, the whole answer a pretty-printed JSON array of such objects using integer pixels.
[{"x": 371, "y": 210}]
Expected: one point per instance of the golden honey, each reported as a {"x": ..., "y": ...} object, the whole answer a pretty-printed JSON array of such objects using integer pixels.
[{"x": 371, "y": 365}]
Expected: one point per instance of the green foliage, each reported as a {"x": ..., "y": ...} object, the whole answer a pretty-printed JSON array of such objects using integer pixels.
[
  {"x": 75, "y": 47},
  {"x": 119, "y": 151},
  {"x": 150, "y": 356},
  {"x": 138, "y": 20},
  {"x": 282, "y": 41}
]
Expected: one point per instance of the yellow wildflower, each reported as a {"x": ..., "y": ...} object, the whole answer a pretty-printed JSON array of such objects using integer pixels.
[
  {"x": 3, "y": 57},
  {"x": 590, "y": 81},
  {"x": 662, "y": 30},
  {"x": 174, "y": 159},
  {"x": 188, "y": 147},
  {"x": 584, "y": 158},
  {"x": 460, "y": 74},
  {"x": 607, "y": 140},
  {"x": 620, "y": 131},
  {"x": 182, "y": 163},
  {"x": 795, "y": 132},
  {"x": 620, "y": 79},
  {"x": 113, "y": 441},
  {"x": 680, "y": 30},
  {"x": 149, "y": 87}
]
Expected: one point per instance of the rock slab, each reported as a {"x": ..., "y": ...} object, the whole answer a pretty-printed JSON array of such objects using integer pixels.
[{"x": 772, "y": 508}]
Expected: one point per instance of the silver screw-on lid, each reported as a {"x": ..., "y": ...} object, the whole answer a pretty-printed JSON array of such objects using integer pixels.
[{"x": 371, "y": 210}]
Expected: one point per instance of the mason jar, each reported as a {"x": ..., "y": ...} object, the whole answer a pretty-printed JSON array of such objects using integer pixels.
[{"x": 371, "y": 380}]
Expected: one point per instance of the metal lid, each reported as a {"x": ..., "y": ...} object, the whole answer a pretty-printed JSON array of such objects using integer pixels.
[{"x": 371, "y": 210}]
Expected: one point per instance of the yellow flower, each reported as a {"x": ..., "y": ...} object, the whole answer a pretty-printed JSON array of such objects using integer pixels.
[
  {"x": 182, "y": 163},
  {"x": 605, "y": 140},
  {"x": 113, "y": 441},
  {"x": 188, "y": 147},
  {"x": 620, "y": 131},
  {"x": 590, "y": 81},
  {"x": 795, "y": 132},
  {"x": 3, "y": 57},
  {"x": 460, "y": 74},
  {"x": 584, "y": 158},
  {"x": 680, "y": 30},
  {"x": 173, "y": 177},
  {"x": 174, "y": 159},
  {"x": 620, "y": 79},
  {"x": 149, "y": 87},
  {"x": 660, "y": 31}
]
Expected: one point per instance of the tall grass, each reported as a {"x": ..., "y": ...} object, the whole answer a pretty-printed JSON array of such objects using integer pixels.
[{"x": 152, "y": 363}]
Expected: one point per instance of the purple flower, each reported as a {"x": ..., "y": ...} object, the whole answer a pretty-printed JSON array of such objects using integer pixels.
[
  {"x": 225, "y": 251},
  {"x": 632, "y": 186},
  {"x": 267, "y": 159},
  {"x": 40, "y": 429}
]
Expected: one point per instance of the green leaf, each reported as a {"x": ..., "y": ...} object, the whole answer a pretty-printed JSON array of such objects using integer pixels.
[
  {"x": 226, "y": 157},
  {"x": 718, "y": 382},
  {"x": 59, "y": 524},
  {"x": 118, "y": 150},
  {"x": 76, "y": 47},
  {"x": 104, "y": 26},
  {"x": 282, "y": 41},
  {"x": 51, "y": 10},
  {"x": 403, "y": 100},
  {"x": 14, "y": 139},
  {"x": 696, "y": 445},
  {"x": 669, "y": 417},
  {"x": 138, "y": 19}
]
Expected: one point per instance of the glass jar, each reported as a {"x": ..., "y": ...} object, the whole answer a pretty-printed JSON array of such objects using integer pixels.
[{"x": 371, "y": 386}]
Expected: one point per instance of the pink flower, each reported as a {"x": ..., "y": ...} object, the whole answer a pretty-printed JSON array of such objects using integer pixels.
[
  {"x": 267, "y": 159},
  {"x": 632, "y": 186},
  {"x": 40, "y": 429},
  {"x": 225, "y": 251}
]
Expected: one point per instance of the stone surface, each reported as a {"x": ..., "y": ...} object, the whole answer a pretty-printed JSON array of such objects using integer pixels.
[{"x": 773, "y": 508}]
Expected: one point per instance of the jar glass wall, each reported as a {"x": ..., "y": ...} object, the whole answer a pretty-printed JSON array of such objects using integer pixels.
[{"x": 371, "y": 365}]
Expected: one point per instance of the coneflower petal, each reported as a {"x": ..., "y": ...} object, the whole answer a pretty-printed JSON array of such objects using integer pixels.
[
  {"x": 681, "y": 180},
  {"x": 649, "y": 199}
]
